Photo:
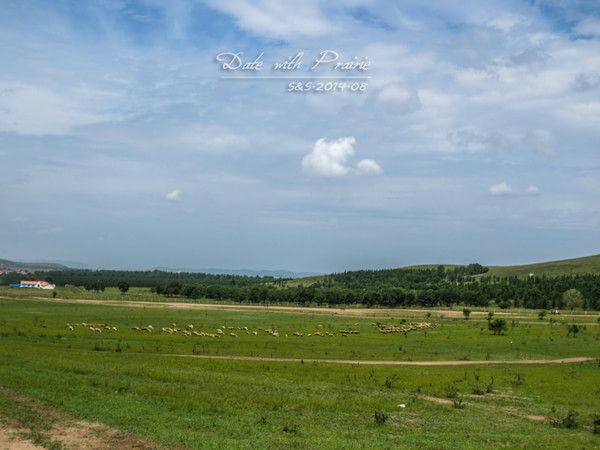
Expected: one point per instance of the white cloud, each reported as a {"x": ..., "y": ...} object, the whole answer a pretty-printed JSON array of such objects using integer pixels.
[
  {"x": 174, "y": 195},
  {"x": 331, "y": 159},
  {"x": 36, "y": 110},
  {"x": 368, "y": 167},
  {"x": 397, "y": 99},
  {"x": 501, "y": 189},
  {"x": 504, "y": 189},
  {"x": 588, "y": 27},
  {"x": 275, "y": 18}
]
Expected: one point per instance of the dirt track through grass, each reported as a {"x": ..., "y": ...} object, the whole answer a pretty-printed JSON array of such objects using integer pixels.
[
  {"x": 390, "y": 363},
  {"x": 346, "y": 312}
]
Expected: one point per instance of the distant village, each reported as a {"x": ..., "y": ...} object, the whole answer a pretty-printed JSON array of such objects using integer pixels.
[{"x": 35, "y": 284}]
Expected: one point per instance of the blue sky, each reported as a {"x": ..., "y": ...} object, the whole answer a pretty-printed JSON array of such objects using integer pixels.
[{"x": 476, "y": 140}]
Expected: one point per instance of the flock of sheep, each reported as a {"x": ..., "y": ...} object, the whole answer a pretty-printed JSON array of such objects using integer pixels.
[
  {"x": 96, "y": 328},
  {"x": 233, "y": 331},
  {"x": 220, "y": 332},
  {"x": 415, "y": 326}
]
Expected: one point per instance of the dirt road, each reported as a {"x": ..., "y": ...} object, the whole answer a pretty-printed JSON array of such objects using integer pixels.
[
  {"x": 366, "y": 362},
  {"x": 348, "y": 312}
]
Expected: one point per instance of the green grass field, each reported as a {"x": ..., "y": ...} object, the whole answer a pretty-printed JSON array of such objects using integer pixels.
[
  {"x": 128, "y": 379},
  {"x": 574, "y": 266}
]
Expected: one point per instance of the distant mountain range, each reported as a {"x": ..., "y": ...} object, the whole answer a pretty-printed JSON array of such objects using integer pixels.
[
  {"x": 30, "y": 266},
  {"x": 573, "y": 266},
  {"x": 65, "y": 265},
  {"x": 243, "y": 272}
]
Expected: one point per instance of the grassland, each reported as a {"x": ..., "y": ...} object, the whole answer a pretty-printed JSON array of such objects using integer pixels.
[
  {"x": 127, "y": 379},
  {"x": 575, "y": 266}
]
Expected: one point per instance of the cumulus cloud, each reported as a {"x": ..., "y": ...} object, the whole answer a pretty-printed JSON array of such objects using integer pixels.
[
  {"x": 501, "y": 189},
  {"x": 399, "y": 100},
  {"x": 368, "y": 167},
  {"x": 332, "y": 159},
  {"x": 505, "y": 189},
  {"x": 274, "y": 18},
  {"x": 175, "y": 195}
]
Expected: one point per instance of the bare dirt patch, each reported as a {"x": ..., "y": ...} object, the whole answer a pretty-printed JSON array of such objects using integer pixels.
[
  {"x": 367, "y": 362},
  {"x": 10, "y": 439},
  {"x": 513, "y": 411},
  {"x": 55, "y": 427}
]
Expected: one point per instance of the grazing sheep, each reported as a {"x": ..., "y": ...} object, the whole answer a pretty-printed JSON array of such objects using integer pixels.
[
  {"x": 190, "y": 327},
  {"x": 233, "y": 334},
  {"x": 70, "y": 327}
]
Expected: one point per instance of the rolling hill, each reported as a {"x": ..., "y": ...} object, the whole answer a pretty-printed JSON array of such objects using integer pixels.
[
  {"x": 30, "y": 266},
  {"x": 574, "y": 266}
]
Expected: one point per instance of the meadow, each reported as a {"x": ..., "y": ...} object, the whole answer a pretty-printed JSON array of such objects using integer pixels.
[{"x": 150, "y": 383}]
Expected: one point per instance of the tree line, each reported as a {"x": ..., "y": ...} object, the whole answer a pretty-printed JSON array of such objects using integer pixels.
[{"x": 426, "y": 286}]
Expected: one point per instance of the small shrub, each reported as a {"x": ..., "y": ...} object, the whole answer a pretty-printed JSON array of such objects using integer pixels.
[
  {"x": 390, "y": 381},
  {"x": 466, "y": 313},
  {"x": 458, "y": 403},
  {"x": 380, "y": 417},
  {"x": 292, "y": 429},
  {"x": 497, "y": 326},
  {"x": 542, "y": 314},
  {"x": 570, "y": 420},
  {"x": 451, "y": 391},
  {"x": 262, "y": 420},
  {"x": 490, "y": 387},
  {"x": 596, "y": 424},
  {"x": 572, "y": 330},
  {"x": 477, "y": 390},
  {"x": 518, "y": 380},
  {"x": 118, "y": 348}
]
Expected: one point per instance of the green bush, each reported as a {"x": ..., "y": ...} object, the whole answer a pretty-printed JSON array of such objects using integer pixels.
[
  {"x": 380, "y": 417},
  {"x": 497, "y": 326}
]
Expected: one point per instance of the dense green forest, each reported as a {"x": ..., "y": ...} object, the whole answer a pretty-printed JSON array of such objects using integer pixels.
[
  {"x": 150, "y": 278},
  {"x": 439, "y": 286}
]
